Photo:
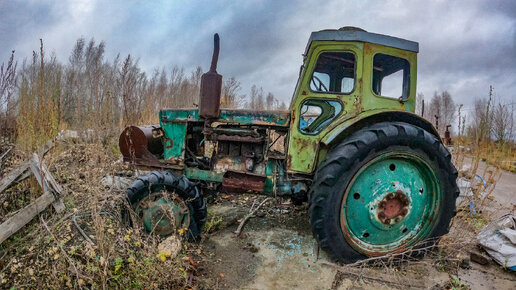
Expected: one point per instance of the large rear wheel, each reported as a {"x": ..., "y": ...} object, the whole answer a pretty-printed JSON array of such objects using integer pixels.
[{"x": 388, "y": 188}]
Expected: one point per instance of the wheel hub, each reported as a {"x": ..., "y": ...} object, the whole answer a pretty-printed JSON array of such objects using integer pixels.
[
  {"x": 393, "y": 207},
  {"x": 390, "y": 204},
  {"x": 163, "y": 216}
]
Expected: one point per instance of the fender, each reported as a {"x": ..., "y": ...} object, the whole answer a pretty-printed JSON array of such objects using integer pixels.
[{"x": 344, "y": 129}]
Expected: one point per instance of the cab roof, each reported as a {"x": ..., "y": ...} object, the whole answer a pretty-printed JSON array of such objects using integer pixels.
[{"x": 357, "y": 34}]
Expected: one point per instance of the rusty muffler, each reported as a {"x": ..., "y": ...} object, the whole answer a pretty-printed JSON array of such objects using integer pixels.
[
  {"x": 211, "y": 86},
  {"x": 141, "y": 144}
]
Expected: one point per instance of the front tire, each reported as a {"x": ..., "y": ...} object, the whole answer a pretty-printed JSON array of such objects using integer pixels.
[
  {"x": 166, "y": 202},
  {"x": 387, "y": 188}
]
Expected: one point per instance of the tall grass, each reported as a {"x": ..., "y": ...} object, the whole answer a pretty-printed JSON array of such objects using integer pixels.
[{"x": 92, "y": 93}]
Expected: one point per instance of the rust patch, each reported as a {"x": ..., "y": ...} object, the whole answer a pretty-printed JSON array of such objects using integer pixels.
[
  {"x": 237, "y": 138},
  {"x": 236, "y": 181},
  {"x": 169, "y": 142},
  {"x": 393, "y": 207}
]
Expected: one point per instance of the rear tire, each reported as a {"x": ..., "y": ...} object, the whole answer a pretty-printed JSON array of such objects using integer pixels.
[
  {"x": 370, "y": 194},
  {"x": 157, "y": 181}
]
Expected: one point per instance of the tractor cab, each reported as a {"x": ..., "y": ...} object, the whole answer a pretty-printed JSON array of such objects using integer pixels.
[{"x": 347, "y": 75}]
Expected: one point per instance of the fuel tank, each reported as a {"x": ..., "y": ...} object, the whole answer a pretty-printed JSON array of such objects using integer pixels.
[{"x": 141, "y": 142}]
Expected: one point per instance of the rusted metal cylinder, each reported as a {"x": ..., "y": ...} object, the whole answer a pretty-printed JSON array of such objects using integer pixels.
[
  {"x": 211, "y": 86},
  {"x": 140, "y": 140}
]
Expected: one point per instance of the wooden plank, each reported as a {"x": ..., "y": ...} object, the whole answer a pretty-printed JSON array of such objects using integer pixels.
[
  {"x": 47, "y": 182},
  {"x": 24, "y": 176},
  {"x": 19, "y": 179},
  {"x": 24, "y": 216},
  {"x": 377, "y": 276},
  {"x": 13, "y": 175},
  {"x": 50, "y": 179},
  {"x": 5, "y": 154}
]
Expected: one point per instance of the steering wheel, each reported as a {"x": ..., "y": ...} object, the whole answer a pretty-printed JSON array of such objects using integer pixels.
[{"x": 321, "y": 84}]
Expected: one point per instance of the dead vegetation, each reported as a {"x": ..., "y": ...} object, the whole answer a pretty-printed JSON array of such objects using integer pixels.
[
  {"x": 51, "y": 252},
  {"x": 90, "y": 93}
]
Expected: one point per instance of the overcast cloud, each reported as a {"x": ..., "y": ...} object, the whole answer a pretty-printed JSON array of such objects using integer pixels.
[{"x": 465, "y": 46}]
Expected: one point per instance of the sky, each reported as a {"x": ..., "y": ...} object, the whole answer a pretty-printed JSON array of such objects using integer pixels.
[{"x": 465, "y": 46}]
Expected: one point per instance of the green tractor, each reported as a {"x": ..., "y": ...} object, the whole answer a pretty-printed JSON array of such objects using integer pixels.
[{"x": 377, "y": 177}]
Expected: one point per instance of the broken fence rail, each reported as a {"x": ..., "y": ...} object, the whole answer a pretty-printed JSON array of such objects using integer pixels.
[{"x": 51, "y": 193}]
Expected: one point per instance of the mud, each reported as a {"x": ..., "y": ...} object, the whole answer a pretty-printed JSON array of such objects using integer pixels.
[{"x": 277, "y": 251}]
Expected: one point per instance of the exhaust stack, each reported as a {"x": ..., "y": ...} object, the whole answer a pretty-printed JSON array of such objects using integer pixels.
[{"x": 211, "y": 85}]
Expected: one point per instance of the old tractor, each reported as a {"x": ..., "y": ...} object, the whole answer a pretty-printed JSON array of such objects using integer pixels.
[{"x": 377, "y": 177}]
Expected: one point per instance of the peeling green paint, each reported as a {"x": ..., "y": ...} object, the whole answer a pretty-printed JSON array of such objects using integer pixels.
[
  {"x": 174, "y": 139},
  {"x": 244, "y": 117},
  {"x": 206, "y": 175}
]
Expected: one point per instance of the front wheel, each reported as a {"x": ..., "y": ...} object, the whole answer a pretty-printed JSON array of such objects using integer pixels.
[
  {"x": 166, "y": 203},
  {"x": 388, "y": 188}
]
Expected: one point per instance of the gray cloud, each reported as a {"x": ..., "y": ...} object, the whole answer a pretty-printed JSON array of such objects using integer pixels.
[{"x": 465, "y": 45}]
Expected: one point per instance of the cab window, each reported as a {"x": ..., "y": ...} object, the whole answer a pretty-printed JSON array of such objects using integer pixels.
[
  {"x": 316, "y": 114},
  {"x": 391, "y": 76},
  {"x": 334, "y": 73}
]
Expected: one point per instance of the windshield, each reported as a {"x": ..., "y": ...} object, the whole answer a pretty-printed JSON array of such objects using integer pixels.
[{"x": 334, "y": 73}]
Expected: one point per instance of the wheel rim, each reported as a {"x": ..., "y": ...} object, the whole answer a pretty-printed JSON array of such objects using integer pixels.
[
  {"x": 391, "y": 203},
  {"x": 163, "y": 213}
]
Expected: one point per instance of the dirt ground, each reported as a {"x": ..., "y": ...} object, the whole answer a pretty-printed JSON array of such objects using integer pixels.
[{"x": 277, "y": 251}]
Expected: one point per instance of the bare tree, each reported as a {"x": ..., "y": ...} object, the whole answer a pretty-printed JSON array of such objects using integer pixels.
[
  {"x": 127, "y": 83},
  {"x": 270, "y": 102},
  {"x": 230, "y": 89},
  {"x": 448, "y": 109},
  {"x": 442, "y": 108},
  {"x": 420, "y": 103},
  {"x": 481, "y": 123},
  {"x": 434, "y": 109},
  {"x": 502, "y": 122},
  {"x": 253, "y": 97}
]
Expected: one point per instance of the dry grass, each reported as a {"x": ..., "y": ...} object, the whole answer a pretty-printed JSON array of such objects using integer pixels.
[{"x": 51, "y": 253}]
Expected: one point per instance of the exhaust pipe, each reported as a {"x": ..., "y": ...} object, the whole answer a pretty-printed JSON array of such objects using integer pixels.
[{"x": 211, "y": 86}]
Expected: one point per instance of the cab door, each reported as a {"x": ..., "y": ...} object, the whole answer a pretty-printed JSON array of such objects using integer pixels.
[{"x": 329, "y": 90}]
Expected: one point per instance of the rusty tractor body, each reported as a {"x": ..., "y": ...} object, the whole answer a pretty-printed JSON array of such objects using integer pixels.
[{"x": 375, "y": 174}]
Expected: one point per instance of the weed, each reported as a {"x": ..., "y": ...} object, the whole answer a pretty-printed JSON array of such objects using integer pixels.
[
  {"x": 456, "y": 284},
  {"x": 213, "y": 223}
]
